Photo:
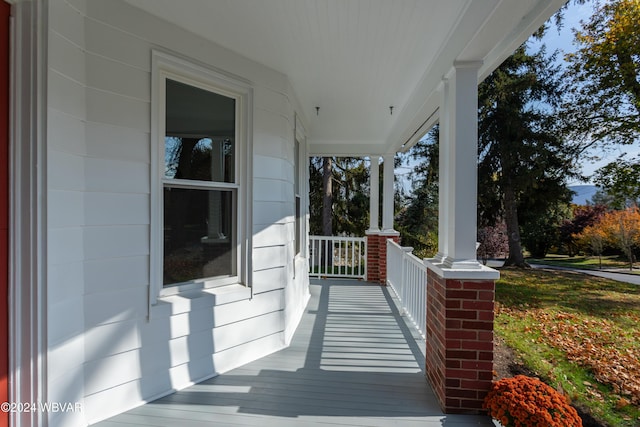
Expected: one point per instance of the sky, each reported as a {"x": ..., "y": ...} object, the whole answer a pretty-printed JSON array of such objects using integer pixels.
[{"x": 563, "y": 41}]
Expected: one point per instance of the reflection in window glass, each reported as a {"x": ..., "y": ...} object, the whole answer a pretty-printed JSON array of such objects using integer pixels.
[
  {"x": 203, "y": 159},
  {"x": 199, "y": 134},
  {"x": 199, "y": 234}
]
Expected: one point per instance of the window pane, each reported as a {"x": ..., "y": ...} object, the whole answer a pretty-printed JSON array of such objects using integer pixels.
[
  {"x": 199, "y": 234},
  {"x": 200, "y": 134}
]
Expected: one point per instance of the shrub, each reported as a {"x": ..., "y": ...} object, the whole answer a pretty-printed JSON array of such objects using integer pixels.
[{"x": 523, "y": 401}]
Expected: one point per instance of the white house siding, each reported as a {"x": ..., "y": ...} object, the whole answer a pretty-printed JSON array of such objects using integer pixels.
[{"x": 106, "y": 350}]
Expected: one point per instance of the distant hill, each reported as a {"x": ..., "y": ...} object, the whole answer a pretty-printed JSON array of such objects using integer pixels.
[{"x": 583, "y": 193}]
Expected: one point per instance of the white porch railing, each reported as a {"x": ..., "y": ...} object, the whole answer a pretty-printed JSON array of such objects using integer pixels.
[
  {"x": 335, "y": 256},
  {"x": 407, "y": 276}
]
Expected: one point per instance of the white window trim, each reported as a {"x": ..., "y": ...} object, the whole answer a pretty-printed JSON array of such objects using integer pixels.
[
  {"x": 303, "y": 190},
  {"x": 165, "y": 65}
]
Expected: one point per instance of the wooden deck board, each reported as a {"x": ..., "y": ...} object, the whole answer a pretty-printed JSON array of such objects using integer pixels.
[{"x": 353, "y": 362}]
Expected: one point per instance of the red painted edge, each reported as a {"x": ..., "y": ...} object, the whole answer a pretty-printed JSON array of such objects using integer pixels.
[{"x": 5, "y": 11}]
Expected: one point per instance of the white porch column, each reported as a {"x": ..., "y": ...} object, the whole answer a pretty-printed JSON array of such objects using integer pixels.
[
  {"x": 387, "y": 193},
  {"x": 462, "y": 161},
  {"x": 443, "y": 166},
  {"x": 460, "y": 301},
  {"x": 374, "y": 194}
]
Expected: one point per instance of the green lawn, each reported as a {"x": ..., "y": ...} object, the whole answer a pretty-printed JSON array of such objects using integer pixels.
[
  {"x": 581, "y": 334},
  {"x": 584, "y": 262}
]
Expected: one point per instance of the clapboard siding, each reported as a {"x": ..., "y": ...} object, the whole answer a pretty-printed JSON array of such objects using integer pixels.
[
  {"x": 269, "y": 235},
  {"x": 110, "y": 108},
  {"x": 66, "y": 208},
  {"x": 116, "y": 77},
  {"x": 66, "y": 133},
  {"x": 121, "y": 352},
  {"x": 116, "y": 209},
  {"x": 115, "y": 274},
  {"x": 67, "y": 21},
  {"x": 113, "y": 307},
  {"x": 66, "y": 115},
  {"x": 69, "y": 58},
  {"x": 117, "y": 143},
  {"x": 269, "y": 279},
  {"x": 68, "y": 279},
  {"x": 69, "y": 94}
]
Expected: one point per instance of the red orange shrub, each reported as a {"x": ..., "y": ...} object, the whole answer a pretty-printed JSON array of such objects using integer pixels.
[{"x": 523, "y": 401}]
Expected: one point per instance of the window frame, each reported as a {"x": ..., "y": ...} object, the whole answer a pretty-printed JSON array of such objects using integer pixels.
[
  {"x": 169, "y": 66},
  {"x": 301, "y": 191}
]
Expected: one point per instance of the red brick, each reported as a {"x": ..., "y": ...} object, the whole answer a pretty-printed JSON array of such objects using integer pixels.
[
  {"x": 488, "y": 375},
  {"x": 453, "y": 303},
  {"x": 478, "y": 305},
  {"x": 485, "y": 336},
  {"x": 477, "y": 345},
  {"x": 475, "y": 384},
  {"x": 469, "y": 394},
  {"x": 454, "y": 284},
  {"x": 486, "y": 295},
  {"x": 462, "y": 334},
  {"x": 452, "y": 403},
  {"x": 454, "y": 344},
  {"x": 461, "y": 374},
  {"x": 485, "y": 355},
  {"x": 453, "y": 364},
  {"x": 471, "y": 404},
  {"x": 469, "y": 324},
  {"x": 486, "y": 315},
  {"x": 485, "y": 286},
  {"x": 477, "y": 366},
  {"x": 462, "y": 294},
  {"x": 462, "y": 314},
  {"x": 462, "y": 354},
  {"x": 452, "y": 382},
  {"x": 454, "y": 324}
]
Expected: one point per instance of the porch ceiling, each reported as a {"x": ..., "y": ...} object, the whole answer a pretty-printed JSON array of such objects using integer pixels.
[{"x": 356, "y": 58}]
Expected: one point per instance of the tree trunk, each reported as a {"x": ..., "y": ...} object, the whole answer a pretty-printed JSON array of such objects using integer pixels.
[
  {"x": 327, "y": 210},
  {"x": 513, "y": 229},
  {"x": 327, "y": 196}
]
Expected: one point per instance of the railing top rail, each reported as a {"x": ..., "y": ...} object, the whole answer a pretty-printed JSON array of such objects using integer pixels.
[
  {"x": 345, "y": 238},
  {"x": 414, "y": 259},
  {"x": 390, "y": 242}
]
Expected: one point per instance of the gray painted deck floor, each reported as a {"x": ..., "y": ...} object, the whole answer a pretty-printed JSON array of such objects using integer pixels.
[{"x": 353, "y": 362}]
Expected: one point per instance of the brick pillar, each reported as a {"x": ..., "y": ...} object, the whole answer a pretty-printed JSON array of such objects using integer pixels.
[
  {"x": 459, "y": 361},
  {"x": 377, "y": 254},
  {"x": 373, "y": 256}
]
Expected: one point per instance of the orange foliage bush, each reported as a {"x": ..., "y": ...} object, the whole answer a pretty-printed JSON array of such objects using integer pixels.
[{"x": 523, "y": 401}]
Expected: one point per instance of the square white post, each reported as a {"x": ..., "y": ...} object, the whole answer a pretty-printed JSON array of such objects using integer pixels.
[
  {"x": 374, "y": 194},
  {"x": 443, "y": 166},
  {"x": 462, "y": 173},
  {"x": 388, "y": 193}
]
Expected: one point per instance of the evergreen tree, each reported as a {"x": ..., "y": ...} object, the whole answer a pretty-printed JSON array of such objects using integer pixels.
[
  {"x": 338, "y": 196},
  {"x": 418, "y": 220},
  {"x": 523, "y": 161}
]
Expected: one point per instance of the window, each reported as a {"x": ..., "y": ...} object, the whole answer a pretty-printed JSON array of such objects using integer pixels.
[
  {"x": 296, "y": 186},
  {"x": 199, "y": 220}
]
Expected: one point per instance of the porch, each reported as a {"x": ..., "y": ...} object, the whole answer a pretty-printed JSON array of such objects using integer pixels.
[{"x": 354, "y": 361}]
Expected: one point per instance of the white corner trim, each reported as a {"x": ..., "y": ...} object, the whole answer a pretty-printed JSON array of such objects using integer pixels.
[{"x": 27, "y": 211}]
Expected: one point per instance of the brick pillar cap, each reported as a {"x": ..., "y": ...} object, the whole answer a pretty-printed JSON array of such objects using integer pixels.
[{"x": 479, "y": 272}]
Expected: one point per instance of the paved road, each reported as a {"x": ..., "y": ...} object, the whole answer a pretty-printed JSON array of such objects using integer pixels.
[{"x": 620, "y": 277}]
